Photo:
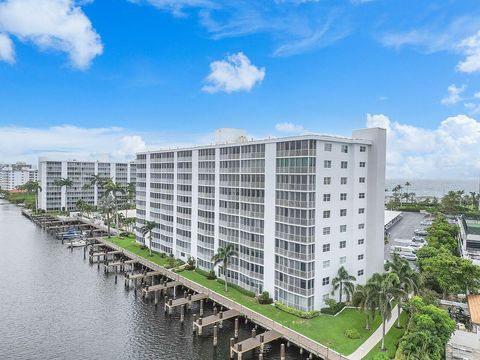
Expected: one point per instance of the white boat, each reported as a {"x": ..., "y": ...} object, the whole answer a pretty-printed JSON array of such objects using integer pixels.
[{"x": 78, "y": 243}]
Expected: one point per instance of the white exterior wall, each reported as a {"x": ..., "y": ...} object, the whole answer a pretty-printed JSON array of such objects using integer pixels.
[
  {"x": 373, "y": 140},
  {"x": 46, "y": 180},
  {"x": 11, "y": 179}
]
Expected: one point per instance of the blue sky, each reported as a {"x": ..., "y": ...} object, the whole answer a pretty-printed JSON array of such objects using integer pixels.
[{"x": 152, "y": 73}]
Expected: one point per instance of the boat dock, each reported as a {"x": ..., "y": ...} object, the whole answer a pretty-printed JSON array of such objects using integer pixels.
[
  {"x": 145, "y": 271},
  {"x": 252, "y": 343}
]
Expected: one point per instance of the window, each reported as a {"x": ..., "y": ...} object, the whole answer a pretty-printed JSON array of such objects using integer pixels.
[
  {"x": 343, "y": 164},
  {"x": 361, "y": 226},
  {"x": 361, "y": 196},
  {"x": 360, "y": 257},
  {"x": 344, "y": 148},
  {"x": 343, "y": 181},
  {"x": 360, "y": 273},
  {"x": 326, "y": 214},
  {"x": 343, "y": 196},
  {"x": 327, "y": 147},
  {"x": 326, "y": 197},
  {"x": 326, "y": 230},
  {"x": 343, "y": 212},
  {"x": 362, "y": 163},
  {"x": 327, "y": 180},
  {"x": 326, "y": 247},
  {"x": 361, "y": 180},
  {"x": 325, "y": 281},
  {"x": 361, "y": 210},
  {"x": 343, "y": 244},
  {"x": 343, "y": 260},
  {"x": 343, "y": 228},
  {"x": 326, "y": 264},
  {"x": 363, "y": 148},
  {"x": 327, "y": 164},
  {"x": 361, "y": 241}
]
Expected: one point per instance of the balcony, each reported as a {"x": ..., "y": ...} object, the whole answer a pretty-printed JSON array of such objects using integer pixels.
[{"x": 294, "y": 272}]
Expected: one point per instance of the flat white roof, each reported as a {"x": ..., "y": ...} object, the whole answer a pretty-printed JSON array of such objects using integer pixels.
[
  {"x": 390, "y": 215},
  {"x": 321, "y": 137}
]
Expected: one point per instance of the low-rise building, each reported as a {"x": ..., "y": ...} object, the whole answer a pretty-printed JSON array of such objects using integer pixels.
[{"x": 15, "y": 175}]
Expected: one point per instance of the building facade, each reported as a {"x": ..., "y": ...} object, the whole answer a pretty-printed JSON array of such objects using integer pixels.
[
  {"x": 53, "y": 197},
  {"x": 15, "y": 175},
  {"x": 296, "y": 209}
]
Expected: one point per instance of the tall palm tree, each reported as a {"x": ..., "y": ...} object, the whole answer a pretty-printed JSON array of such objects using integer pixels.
[
  {"x": 386, "y": 288},
  {"x": 114, "y": 188},
  {"x": 343, "y": 282},
  {"x": 107, "y": 206},
  {"x": 407, "y": 186},
  {"x": 408, "y": 279},
  {"x": 33, "y": 186},
  {"x": 147, "y": 228},
  {"x": 64, "y": 182},
  {"x": 223, "y": 256},
  {"x": 364, "y": 299}
]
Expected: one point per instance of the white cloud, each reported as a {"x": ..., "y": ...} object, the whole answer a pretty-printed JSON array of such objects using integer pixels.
[
  {"x": 7, "y": 53},
  {"x": 471, "y": 48},
  {"x": 472, "y": 108},
  {"x": 454, "y": 95},
  {"x": 235, "y": 73},
  {"x": 477, "y": 95},
  {"x": 58, "y": 25},
  {"x": 448, "y": 151},
  {"x": 288, "y": 127},
  {"x": 177, "y": 7}
]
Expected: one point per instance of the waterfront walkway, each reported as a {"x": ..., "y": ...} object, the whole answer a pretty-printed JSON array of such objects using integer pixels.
[{"x": 288, "y": 334}]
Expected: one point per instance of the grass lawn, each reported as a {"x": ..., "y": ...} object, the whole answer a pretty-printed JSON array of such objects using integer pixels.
[
  {"x": 391, "y": 339},
  {"x": 130, "y": 244},
  {"x": 325, "y": 329}
]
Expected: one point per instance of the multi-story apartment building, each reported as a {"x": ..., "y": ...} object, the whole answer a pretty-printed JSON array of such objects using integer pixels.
[
  {"x": 53, "y": 197},
  {"x": 15, "y": 175},
  {"x": 296, "y": 209}
]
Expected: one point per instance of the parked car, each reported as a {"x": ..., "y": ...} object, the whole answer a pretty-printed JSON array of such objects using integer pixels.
[
  {"x": 409, "y": 257},
  {"x": 426, "y": 222},
  {"x": 418, "y": 239},
  {"x": 407, "y": 242},
  {"x": 403, "y": 250},
  {"x": 421, "y": 232}
]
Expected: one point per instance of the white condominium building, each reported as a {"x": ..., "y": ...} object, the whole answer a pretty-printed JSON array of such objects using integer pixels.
[
  {"x": 296, "y": 209},
  {"x": 15, "y": 175},
  {"x": 53, "y": 197}
]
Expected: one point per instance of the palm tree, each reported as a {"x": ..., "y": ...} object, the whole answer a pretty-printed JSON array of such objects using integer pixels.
[
  {"x": 64, "y": 182},
  {"x": 408, "y": 279},
  {"x": 223, "y": 256},
  {"x": 107, "y": 206},
  {"x": 385, "y": 288},
  {"x": 33, "y": 186},
  {"x": 114, "y": 188},
  {"x": 81, "y": 205},
  {"x": 364, "y": 299},
  {"x": 407, "y": 186},
  {"x": 147, "y": 228},
  {"x": 344, "y": 282}
]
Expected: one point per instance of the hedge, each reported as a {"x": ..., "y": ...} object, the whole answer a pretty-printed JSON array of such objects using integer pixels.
[
  {"x": 300, "y": 313},
  {"x": 334, "y": 309}
]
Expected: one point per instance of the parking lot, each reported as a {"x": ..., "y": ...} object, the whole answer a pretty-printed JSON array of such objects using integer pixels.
[{"x": 404, "y": 229}]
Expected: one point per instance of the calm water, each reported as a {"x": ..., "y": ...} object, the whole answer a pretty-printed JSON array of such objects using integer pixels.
[
  {"x": 54, "y": 305},
  {"x": 433, "y": 187}
]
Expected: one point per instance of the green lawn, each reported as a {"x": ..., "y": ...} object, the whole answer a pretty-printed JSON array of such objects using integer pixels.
[
  {"x": 391, "y": 339},
  {"x": 130, "y": 244},
  {"x": 325, "y": 329}
]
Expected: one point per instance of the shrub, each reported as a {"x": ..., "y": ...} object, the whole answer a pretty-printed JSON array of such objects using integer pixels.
[
  {"x": 333, "y": 307},
  {"x": 352, "y": 334},
  {"x": 190, "y": 263},
  {"x": 201, "y": 272},
  {"x": 211, "y": 275},
  {"x": 300, "y": 313},
  {"x": 264, "y": 298},
  {"x": 163, "y": 255}
]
